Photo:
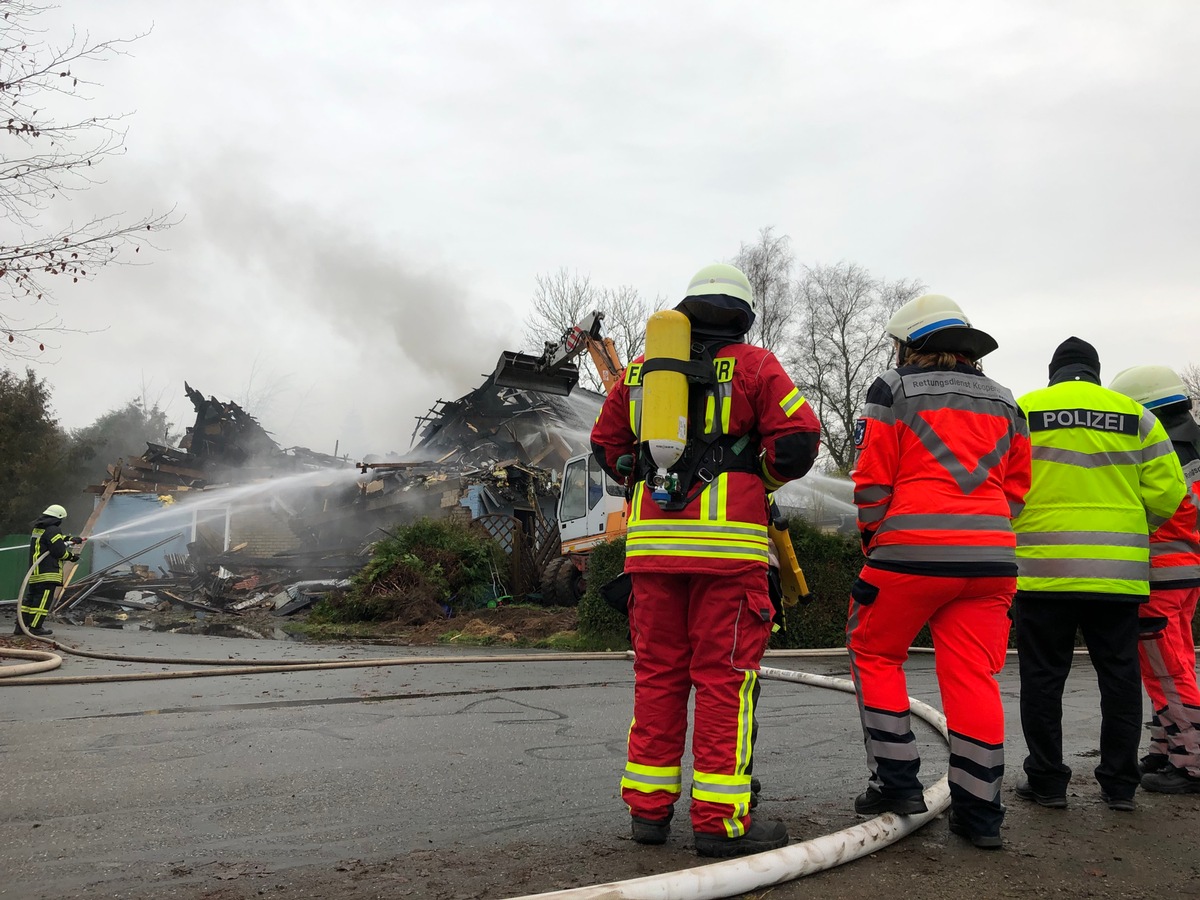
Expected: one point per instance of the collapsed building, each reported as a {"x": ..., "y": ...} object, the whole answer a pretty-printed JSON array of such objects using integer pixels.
[{"x": 229, "y": 520}]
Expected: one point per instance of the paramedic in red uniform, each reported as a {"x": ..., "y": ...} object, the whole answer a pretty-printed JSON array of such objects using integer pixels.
[
  {"x": 1166, "y": 645},
  {"x": 700, "y": 616},
  {"x": 942, "y": 468}
]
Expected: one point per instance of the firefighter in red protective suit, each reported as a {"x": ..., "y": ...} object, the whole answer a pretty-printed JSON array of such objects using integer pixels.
[
  {"x": 942, "y": 467},
  {"x": 1166, "y": 645},
  {"x": 700, "y": 616}
]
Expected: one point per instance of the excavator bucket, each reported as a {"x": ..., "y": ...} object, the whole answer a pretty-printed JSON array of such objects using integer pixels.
[{"x": 529, "y": 373}]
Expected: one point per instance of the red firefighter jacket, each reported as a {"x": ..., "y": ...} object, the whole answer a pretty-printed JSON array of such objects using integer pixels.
[
  {"x": 942, "y": 468},
  {"x": 1175, "y": 546},
  {"x": 724, "y": 528}
]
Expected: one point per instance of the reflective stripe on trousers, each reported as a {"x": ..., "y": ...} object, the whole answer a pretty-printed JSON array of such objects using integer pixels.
[
  {"x": 707, "y": 634},
  {"x": 1167, "y": 657},
  {"x": 968, "y": 618},
  {"x": 37, "y": 604}
]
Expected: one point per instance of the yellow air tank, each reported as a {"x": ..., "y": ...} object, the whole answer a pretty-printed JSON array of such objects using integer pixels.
[{"x": 664, "y": 393}]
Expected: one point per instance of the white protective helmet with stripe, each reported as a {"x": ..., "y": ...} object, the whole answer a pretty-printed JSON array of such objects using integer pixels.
[
  {"x": 720, "y": 300},
  {"x": 1152, "y": 386},
  {"x": 59, "y": 512},
  {"x": 932, "y": 322}
]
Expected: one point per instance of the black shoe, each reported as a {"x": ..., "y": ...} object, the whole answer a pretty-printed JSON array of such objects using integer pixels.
[
  {"x": 1050, "y": 801},
  {"x": 872, "y": 803},
  {"x": 1153, "y": 762},
  {"x": 755, "y": 787},
  {"x": 982, "y": 841},
  {"x": 1171, "y": 781},
  {"x": 1120, "y": 804},
  {"x": 651, "y": 831},
  {"x": 41, "y": 632},
  {"x": 762, "y": 835}
]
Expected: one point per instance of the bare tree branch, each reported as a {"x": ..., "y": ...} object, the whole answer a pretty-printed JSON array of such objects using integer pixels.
[
  {"x": 47, "y": 156},
  {"x": 767, "y": 263},
  {"x": 841, "y": 346},
  {"x": 561, "y": 299}
]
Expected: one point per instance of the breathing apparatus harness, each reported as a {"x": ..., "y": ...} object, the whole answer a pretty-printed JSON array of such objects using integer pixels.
[{"x": 706, "y": 456}]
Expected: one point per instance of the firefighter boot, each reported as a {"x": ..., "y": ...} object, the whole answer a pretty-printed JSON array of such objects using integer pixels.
[
  {"x": 762, "y": 835},
  {"x": 651, "y": 831},
  {"x": 872, "y": 802},
  {"x": 1173, "y": 780}
]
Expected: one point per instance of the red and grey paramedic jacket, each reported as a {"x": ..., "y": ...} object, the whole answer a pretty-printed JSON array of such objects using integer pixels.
[
  {"x": 1175, "y": 546},
  {"x": 47, "y": 537},
  {"x": 724, "y": 528},
  {"x": 942, "y": 468}
]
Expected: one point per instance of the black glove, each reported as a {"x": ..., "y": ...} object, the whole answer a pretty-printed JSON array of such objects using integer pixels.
[
  {"x": 625, "y": 464},
  {"x": 72, "y": 557}
]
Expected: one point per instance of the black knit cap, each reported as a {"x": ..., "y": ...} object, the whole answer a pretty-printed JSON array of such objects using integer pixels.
[{"x": 1075, "y": 351}]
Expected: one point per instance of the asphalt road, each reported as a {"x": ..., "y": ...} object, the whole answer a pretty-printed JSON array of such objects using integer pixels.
[{"x": 113, "y": 787}]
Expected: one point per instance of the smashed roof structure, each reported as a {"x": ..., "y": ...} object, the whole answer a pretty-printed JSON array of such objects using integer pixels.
[{"x": 240, "y": 520}]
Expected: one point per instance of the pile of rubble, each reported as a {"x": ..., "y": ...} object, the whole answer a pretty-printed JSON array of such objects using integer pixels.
[{"x": 493, "y": 456}]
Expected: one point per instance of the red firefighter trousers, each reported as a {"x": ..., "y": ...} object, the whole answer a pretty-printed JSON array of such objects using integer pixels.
[
  {"x": 708, "y": 633},
  {"x": 968, "y": 618},
  {"x": 1168, "y": 660}
]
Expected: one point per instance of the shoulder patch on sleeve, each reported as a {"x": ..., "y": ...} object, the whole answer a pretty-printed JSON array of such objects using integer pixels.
[{"x": 860, "y": 434}]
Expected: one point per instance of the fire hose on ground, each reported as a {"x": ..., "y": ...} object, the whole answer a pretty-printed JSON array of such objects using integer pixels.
[{"x": 707, "y": 882}]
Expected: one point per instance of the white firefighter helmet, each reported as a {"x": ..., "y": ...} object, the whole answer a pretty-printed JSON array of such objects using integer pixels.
[
  {"x": 59, "y": 512},
  {"x": 719, "y": 299},
  {"x": 936, "y": 323},
  {"x": 1152, "y": 386}
]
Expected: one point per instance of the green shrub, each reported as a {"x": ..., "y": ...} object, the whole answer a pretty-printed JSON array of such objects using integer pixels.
[
  {"x": 418, "y": 572},
  {"x": 597, "y": 620},
  {"x": 830, "y": 562}
]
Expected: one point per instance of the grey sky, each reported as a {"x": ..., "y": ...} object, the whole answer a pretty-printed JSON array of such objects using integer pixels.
[{"x": 370, "y": 188}]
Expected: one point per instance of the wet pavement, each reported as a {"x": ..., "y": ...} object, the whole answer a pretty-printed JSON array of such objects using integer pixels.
[{"x": 113, "y": 784}]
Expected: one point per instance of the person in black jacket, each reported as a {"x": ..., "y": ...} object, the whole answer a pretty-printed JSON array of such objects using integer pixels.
[{"x": 47, "y": 538}]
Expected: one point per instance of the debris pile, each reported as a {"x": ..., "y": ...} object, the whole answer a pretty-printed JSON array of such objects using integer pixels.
[{"x": 494, "y": 455}]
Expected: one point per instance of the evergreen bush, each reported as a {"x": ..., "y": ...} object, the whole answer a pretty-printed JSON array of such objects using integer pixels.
[
  {"x": 439, "y": 564},
  {"x": 597, "y": 620}
]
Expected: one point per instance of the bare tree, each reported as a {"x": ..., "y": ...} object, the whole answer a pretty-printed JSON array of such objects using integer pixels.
[
  {"x": 48, "y": 157},
  {"x": 768, "y": 265},
  {"x": 625, "y": 316},
  {"x": 840, "y": 347},
  {"x": 561, "y": 299}
]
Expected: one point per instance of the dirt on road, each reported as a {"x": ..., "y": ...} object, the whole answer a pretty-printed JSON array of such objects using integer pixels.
[{"x": 1086, "y": 850}]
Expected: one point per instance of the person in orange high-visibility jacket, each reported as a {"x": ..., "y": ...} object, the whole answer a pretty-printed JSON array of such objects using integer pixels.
[
  {"x": 1166, "y": 645},
  {"x": 700, "y": 616},
  {"x": 942, "y": 467}
]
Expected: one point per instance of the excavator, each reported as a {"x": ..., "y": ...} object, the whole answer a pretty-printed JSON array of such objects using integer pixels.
[{"x": 591, "y": 506}]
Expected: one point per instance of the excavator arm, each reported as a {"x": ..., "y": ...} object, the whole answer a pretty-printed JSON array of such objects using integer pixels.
[{"x": 555, "y": 371}]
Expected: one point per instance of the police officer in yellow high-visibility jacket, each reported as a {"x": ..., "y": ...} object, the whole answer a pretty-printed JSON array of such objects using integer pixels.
[{"x": 1105, "y": 475}]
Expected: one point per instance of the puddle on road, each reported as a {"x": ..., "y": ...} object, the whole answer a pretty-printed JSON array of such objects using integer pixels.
[{"x": 122, "y": 622}]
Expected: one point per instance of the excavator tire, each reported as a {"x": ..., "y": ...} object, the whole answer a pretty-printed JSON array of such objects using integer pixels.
[
  {"x": 549, "y": 581},
  {"x": 568, "y": 584}
]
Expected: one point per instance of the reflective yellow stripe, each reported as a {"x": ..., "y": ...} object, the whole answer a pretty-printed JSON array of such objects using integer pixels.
[
  {"x": 745, "y": 724},
  {"x": 648, "y": 779},
  {"x": 709, "y": 409},
  {"x": 771, "y": 483},
  {"x": 726, "y": 406},
  {"x": 792, "y": 402}
]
